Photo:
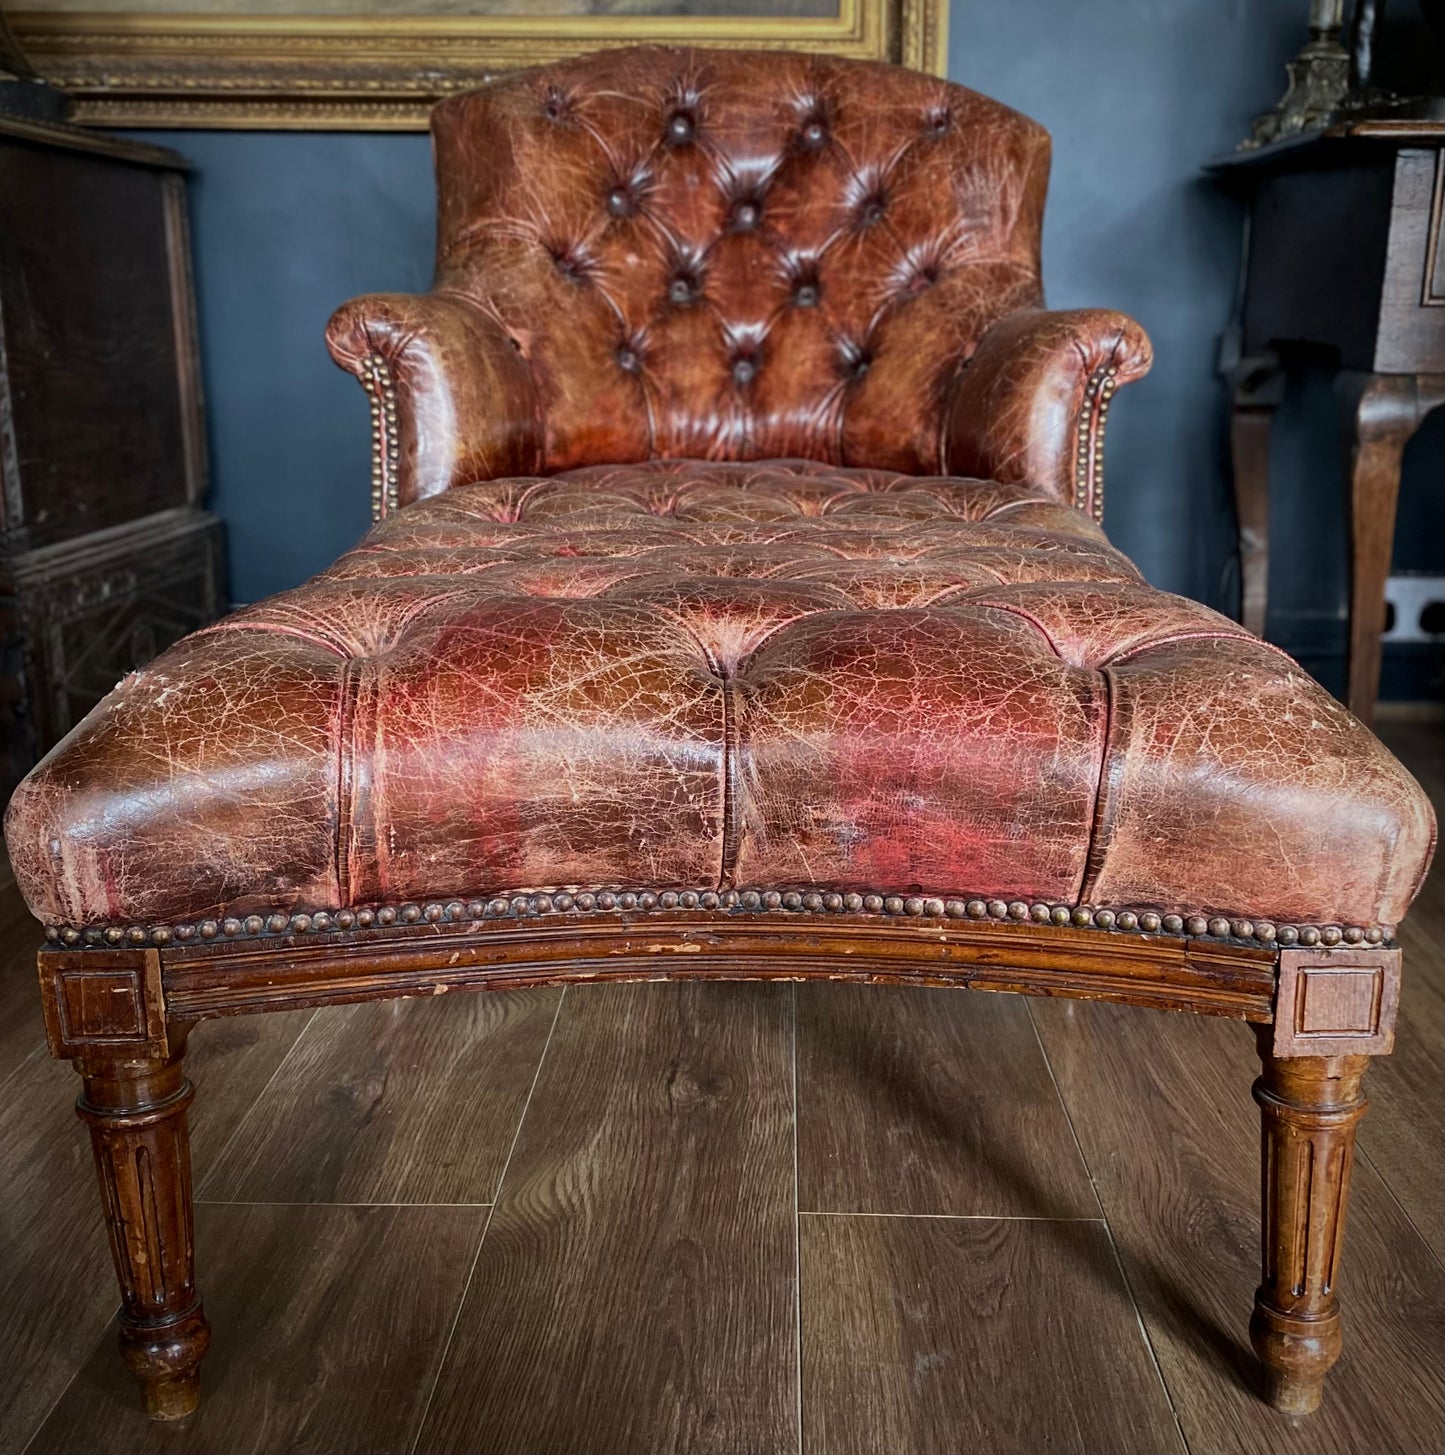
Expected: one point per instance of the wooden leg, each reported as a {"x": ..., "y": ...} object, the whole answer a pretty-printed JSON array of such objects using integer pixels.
[
  {"x": 1380, "y": 413},
  {"x": 1311, "y": 1106},
  {"x": 136, "y": 1110},
  {"x": 1258, "y": 392}
]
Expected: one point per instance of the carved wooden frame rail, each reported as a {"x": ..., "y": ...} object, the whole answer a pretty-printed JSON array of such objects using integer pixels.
[{"x": 122, "y": 1012}]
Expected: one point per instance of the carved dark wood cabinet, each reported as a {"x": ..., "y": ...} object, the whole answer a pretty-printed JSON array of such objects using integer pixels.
[{"x": 105, "y": 554}]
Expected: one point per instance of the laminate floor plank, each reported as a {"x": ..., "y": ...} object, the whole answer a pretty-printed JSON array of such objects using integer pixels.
[
  {"x": 1404, "y": 1132},
  {"x": 1403, "y": 1135},
  {"x": 329, "y": 1322},
  {"x": 1162, "y": 1108},
  {"x": 22, "y": 1027},
  {"x": 56, "y": 1282},
  {"x": 973, "y": 1334},
  {"x": 636, "y": 1287},
  {"x": 413, "y": 1101},
  {"x": 930, "y": 1101}
]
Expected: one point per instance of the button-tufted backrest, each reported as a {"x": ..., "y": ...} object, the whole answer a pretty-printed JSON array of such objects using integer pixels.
[{"x": 739, "y": 255}]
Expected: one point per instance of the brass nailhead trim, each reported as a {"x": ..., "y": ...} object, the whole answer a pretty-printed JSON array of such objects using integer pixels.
[
  {"x": 527, "y": 906},
  {"x": 385, "y": 440},
  {"x": 1089, "y": 461}
]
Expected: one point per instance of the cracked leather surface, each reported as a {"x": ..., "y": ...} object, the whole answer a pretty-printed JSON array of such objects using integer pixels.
[{"x": 683, "y": 673}]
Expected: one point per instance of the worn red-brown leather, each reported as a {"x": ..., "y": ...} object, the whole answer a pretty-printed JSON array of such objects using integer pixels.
[
  {"x": 692, "y": 675},
  {"x": 578, "y": 657}
]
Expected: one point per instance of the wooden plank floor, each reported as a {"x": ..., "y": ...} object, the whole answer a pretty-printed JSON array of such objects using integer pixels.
[{"x": 729, "y": 1217}]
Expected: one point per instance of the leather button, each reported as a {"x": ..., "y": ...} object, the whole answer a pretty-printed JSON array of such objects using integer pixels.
[
  {"x": 682, "y": 290},
  {"x": 744, "y": 371},
  {"x": 746, "y": 215},
  {"x": 815, "y": 135},
  {"x": 871, "y": 209},
  {"x": 621, "y": 202},
  {"x": 681, "y": 128},
  {"x": 627, "y": 360},
  {"x": 938, "y": 120},
  {"x": 806, "y": 295}
]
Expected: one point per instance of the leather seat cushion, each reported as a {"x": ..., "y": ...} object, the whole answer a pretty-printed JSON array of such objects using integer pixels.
[{"x": 700, "y": 676}]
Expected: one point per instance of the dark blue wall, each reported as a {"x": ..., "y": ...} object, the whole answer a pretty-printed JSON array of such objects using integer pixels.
[{"x": 1137, "y": 93}]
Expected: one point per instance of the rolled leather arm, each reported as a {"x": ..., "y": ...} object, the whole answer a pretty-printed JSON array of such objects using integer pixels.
[
  {"x": 452, "y": 399},
  {"x": 1029, "y": 408}
]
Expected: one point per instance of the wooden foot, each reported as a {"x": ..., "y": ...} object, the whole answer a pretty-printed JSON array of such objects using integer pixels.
[
  {"x": 1311, "y": 1106},
  {"x": 136, "y": 1110}
]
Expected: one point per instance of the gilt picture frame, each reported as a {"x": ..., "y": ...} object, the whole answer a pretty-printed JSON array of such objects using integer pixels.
[{"x": 369, "y": 65}]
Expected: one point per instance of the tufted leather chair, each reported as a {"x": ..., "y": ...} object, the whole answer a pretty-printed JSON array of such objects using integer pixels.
[
  {"x": 724, "y": 256},
  {"x": 738, "y": 605}
]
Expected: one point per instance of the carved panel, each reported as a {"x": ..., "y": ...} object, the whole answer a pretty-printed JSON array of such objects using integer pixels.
[
  {"x": 112, "y": 999},
  {"x": 89, "y": 612},
  {"x": 1334, "y": 1002}
]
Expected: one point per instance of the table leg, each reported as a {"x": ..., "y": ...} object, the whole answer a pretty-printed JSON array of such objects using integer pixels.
[
  {"x": 1380, "y": 413},
  {"x": 1258, "y": 390}
]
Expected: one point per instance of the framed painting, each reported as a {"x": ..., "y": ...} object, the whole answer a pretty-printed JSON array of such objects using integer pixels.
[{"x": 378, "y": 65}]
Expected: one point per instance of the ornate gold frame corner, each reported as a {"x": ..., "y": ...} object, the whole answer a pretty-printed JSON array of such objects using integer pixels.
[{"x": 385, "y": 72}]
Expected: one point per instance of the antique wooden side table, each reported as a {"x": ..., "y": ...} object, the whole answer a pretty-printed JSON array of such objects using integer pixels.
[{"x": 1343, "y": 254}]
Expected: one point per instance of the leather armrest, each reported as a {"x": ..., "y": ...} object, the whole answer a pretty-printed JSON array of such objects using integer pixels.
[
  {"x": 1029, "y": 407},
  {"x": 452, "y": 399}
]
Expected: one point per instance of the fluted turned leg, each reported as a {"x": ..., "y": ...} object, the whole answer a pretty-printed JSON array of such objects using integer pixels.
[
  {"x": 136, "y": 1111},
  {"x": 1311, "y": 1106}
]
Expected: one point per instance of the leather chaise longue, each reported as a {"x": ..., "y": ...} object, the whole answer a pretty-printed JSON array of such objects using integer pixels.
[{"x": 737, "y": 605}]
